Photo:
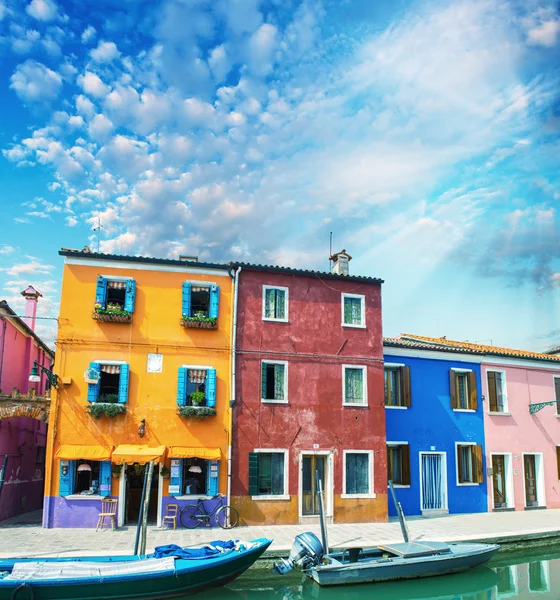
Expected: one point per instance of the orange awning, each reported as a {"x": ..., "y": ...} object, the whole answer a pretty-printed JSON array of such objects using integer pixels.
[
  {"x": 71, "y": 452},
  {"x": 132, "y": 453},
  {"x": 185, "y": 452}
]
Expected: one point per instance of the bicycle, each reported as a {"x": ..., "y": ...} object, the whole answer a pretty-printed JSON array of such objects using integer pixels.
[{"x": 192, "y": 515}]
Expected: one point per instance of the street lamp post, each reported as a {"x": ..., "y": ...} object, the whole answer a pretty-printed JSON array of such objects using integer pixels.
[{"x": 34, "y": 376}]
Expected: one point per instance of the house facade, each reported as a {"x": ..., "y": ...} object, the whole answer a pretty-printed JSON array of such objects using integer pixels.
[
  {"x": 435, "y": 428},
  {"x": 144, "y": 350},
  {"x": 309, "y": 396},
  {"x": 22, "y": 438}
]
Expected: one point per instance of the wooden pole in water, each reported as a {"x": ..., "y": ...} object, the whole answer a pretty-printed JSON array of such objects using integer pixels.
[
  {"x": 140, "y": 513},
  {"x": 402, "y": 521},
  {"x": 149, "y": 477},
  {"x": 324, "y": 537}
]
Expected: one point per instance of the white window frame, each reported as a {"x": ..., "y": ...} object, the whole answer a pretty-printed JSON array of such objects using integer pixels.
[
  {"x": 362, "y": 298},
  {"x": 394, "y": 444},
  {"x": 504, "y": 412},
  {"x": 466, "y": 483},
  {"x": 370, "y": 493},
  {"x": 286, "y": 453},
  {"x": 508, "y": 467},
  {"x": 540, "y": 483},
  {"x": 364, "y": 379},
  {"x": 276, "y": 362},
  {"x": 466, "y": 410},
  {"x": 392, "y": 366},
  {"x": 286, "y": 302}
]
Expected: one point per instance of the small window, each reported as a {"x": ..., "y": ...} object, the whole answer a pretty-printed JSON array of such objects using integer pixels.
[
  {"x": 115, "y": 295},
  {"x": 275, "y": 303},
  {"x": 195, "y": 477},
  {"x": 497, "y": 391},
  {"x": 112, "y": 385},
  {"x": 274, "y": 386},
  {"x": 354, "y": 385},
  {"x": 469, "y": 464},
  {"x": 357, "y": 471},
  {"x": 267, "y": 474},
  {"x": 87, "y": 477},
  {"x": 353, "y": 314},
  {"x": 398, "y": 464},
  {"x": 200, "y": 301},
  {"x": 462, "y": 390},
  {"x": 397, "y": 386},
  {"x": 557, "y": 394}
]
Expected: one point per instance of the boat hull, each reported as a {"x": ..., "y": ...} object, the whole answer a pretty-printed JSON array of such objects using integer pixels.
[
  {"x": 188, "y": 577},
  {"x": 461, "y": 558}
]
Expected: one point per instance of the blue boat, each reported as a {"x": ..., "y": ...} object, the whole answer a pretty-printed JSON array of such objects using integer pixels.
[{"x": 131, "y": 576}]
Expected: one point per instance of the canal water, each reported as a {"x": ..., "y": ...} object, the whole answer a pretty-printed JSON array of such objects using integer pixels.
[{"x": 517, "y": 576}]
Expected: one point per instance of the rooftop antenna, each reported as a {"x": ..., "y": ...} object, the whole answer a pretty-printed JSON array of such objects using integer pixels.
[
  {"x": 330, "y": 251},
  {"x": 98, "y": 229}
]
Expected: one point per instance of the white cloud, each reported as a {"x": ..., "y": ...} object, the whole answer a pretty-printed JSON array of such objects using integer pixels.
[
  {"x": 100, "y": 127},
  {"x": 33, "y": 82},
  {"x": 85, "y": 106},
  {"x": 105, "y": 52},
  {"x": 29, "y": 268},
  {"x": 88, "y": 34},
  {"x": 93, "y": 85},
  {"x": 5, "y": 249},
  {"x": 545, "y": 34},
  {"x": 71, "y": 221},
  {"x": 262, "y": 47},
  {"x": 42, "y": 10}
]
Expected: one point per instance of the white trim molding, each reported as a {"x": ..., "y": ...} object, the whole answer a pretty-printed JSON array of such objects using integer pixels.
[
  {"x": 465, "y": 483},
  {"x": 508, "y": 473},
  {"x": 110, "y": 362},
  {"x": 329, "y": 482},
  {"x": 539, "y": 477},
  {"x": 275, "y": 362},
  {"x": 362, "y": 324},
  {"x": 365, "y": 403},
  {"x": 286, "y": 303},
  {"x": 286, "y": 494},
  {"x": 505, "y": 410},
  {"x": 370, "y": 493}
]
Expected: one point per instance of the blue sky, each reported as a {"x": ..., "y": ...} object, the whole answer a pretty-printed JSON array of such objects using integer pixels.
[{"x": 424, "y": 135}]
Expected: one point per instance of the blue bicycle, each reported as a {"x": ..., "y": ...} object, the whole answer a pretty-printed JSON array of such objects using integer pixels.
[{"x": 193, "y": 515}]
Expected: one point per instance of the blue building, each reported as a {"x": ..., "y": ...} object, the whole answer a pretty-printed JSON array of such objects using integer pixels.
[{"x": 435, "y": 428}]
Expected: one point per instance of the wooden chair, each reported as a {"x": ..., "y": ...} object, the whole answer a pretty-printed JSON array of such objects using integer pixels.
[
  {"x": 171, "y": 512},
  {"x": 108, "y": 511}
]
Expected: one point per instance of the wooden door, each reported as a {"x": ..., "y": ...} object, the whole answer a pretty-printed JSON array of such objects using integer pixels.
[
  {"x": 499, "y": 480},
  {"x": 530, "y": 480},
  {"x": 311, "y": 464}
]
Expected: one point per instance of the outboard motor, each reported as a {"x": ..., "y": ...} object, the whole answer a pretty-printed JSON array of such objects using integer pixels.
[{"x": 307, "y": 551}]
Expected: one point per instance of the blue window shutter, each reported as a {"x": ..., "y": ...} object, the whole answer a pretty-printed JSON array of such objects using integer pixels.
[
  {"x": 66, "y": 485},
  {"x": 213, "y": 483},
  {"x": 211, "y": 387},
  {"x": 177, "y": 479},
  {"x": 186, "y": 305},
  {"x": 214, "y": 302},
  {"x": 130, "y": 295},
  {"x": 182, "y": 386},
  {"x": 253, "y": 488},
  {"x": 105, "y": 478},
  {"x": 123, "y": 384},
  {"x": 101, "y": 292},
  {"x": 93, "y": 388}
]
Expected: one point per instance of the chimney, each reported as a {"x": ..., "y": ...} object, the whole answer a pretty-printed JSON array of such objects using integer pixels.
[
  {"x": 340, "y": 263},
  {"x": 31, "y": 296},
  {"x": 188, "y": 258}
]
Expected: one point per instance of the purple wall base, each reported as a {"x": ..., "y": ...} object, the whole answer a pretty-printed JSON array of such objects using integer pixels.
[
  {"x": 64, "y": 512},
  {"x": 209, "y": 505}
]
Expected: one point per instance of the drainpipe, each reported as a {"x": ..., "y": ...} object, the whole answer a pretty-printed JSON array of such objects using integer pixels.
[{"x": 233, "y": 360}]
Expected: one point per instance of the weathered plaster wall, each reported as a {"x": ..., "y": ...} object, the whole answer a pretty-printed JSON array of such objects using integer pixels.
[
  {"x": 519, "y": 431},
  {"x": 430, "y": 424},
  {"x": 152, "y": 396},
  {"x": 316, "y": 346}
]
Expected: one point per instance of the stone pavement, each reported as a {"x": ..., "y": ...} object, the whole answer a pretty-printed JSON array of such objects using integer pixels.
[{"x": 18, "y": 539}]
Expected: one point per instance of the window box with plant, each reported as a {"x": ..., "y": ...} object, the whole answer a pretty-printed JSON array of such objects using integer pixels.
[
  {"x": 114, "y": 300},
  {"x": 196, "y": 392},
  {"x": 107, "y": 389},
  {"x": 200, "y": 305},
  {"x": 116, "y": 471}
]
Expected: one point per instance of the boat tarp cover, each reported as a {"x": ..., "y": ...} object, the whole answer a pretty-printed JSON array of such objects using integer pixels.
[
  {"x": 131, "y": 453},
  {"x": 76, "y": 570},
  {"x": 186, "y": 452},
  {"x": 415, "y": 549},
  {"x": 77, "y": 452}
]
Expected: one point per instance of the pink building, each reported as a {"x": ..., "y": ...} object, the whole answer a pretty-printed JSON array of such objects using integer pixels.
[
  {"x": 22, "y": 439},
  {"x": 522, "y": 438}
]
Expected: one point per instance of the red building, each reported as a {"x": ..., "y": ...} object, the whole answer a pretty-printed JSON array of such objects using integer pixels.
[{"x": 309, "y": 396}]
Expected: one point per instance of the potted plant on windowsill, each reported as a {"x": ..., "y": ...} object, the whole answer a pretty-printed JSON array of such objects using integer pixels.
[
  {"x": 116, "y": 471},
  {"x": 106, "y": 405},
  {"x": 198, "y": 398},
  {"x": 164, "y": 472},
  {"x": 200, "y": 320},
  {"x": 196, "y": 412},
  {"x": 112, "y": 313}
]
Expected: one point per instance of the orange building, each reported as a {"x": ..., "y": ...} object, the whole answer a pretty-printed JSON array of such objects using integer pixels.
[{"x": 144, "y": 357}]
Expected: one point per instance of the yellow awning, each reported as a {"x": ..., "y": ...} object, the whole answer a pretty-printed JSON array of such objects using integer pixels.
[
  {"x": 131, "y": 453},
  {"x": 70, "y": 452},
  {"x": 185, "y": 452}
]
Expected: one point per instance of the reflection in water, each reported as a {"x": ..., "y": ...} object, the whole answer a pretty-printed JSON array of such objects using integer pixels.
[{"x": 514, "y": 576}]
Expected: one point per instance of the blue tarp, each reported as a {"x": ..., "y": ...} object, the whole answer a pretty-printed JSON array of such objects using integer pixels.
[{"x": 209, "y": 551}]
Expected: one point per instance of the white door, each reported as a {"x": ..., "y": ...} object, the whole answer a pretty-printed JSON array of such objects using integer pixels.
[{"x": 432, "y": 477}]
